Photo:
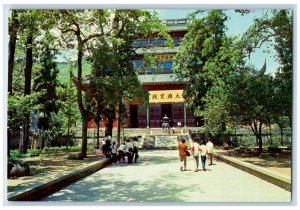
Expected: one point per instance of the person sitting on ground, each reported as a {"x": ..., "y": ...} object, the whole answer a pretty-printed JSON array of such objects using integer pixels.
[
  {"x": 182, "y": 148},
  {"x": 210, "y": 146}
]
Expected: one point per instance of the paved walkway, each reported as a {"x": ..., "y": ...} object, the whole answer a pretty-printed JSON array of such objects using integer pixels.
[{"x": 156, "y": 178}]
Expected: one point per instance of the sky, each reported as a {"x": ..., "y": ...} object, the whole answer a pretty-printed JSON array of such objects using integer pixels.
[{"x": 237, "y": 25}]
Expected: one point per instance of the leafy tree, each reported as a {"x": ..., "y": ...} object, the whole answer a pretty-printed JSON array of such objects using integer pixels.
[
  {"x": 80, "y": 27},
  {"x": 18, "y": 108},
  {"x": 127, "y": 25},
  {"x": 68, "y": 112},
  {"x": 274, "y": 28},
  {"x": 27, "y": 32},
  {"x": 221, "y": 70},
  {"x": 252, "y": 101},
  {"x": 198, "y": 61},
  {"x": 46, "y": 82},
  {"x": 13, "y": 30}
]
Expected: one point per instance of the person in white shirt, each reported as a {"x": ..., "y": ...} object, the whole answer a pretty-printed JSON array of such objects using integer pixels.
[
  {"x": 210, "y": 147},
  {"x": 129, "y": 151},
  {"x": 113, "y": 149},
  {"x": 195, "y": 147},
  {"x": 203, "y": 152},
  {"x": 121, "y": 152}
]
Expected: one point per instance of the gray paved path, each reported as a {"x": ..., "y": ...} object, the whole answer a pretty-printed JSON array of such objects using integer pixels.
[{"x": 156, "y": 178}]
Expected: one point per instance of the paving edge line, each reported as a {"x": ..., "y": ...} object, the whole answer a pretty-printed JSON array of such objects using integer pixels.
[
  {"x": 275, "y": 178},
  {"x": 43, "y": 190}
]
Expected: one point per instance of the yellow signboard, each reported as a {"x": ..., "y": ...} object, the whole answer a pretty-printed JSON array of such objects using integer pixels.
[
  {"x": 166, "y": 96},
  {"x": 165, "y": 57}
]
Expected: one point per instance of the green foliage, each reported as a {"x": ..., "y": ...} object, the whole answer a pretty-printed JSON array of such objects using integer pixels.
[
  {"x": 276, "y": 30},
  {"x": 61, "y": 149},
  {"x": 115, "y": 81},
  {"x": 16, "y": 156},
  {"x": 247, "y": 141},
  {"x": 64, "y": 70},
  {"x": 201, "y": 43},
  {"x": 68, "y": 114},
  {"x": 19, "y": 107},
  {"x": 209, "y": 59}
]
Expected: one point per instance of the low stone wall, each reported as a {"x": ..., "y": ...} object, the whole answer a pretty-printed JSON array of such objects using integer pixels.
[
  {"x": 263, "y": 173},
  {"x": 38, "y": 192}
]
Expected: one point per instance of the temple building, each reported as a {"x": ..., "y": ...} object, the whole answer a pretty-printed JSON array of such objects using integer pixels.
[{"x": 165, "y": 92}]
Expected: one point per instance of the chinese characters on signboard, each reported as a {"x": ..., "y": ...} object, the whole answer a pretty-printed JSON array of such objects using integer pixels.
[
  {"x": 165, "y": 57},
  {"x": 169, "y": 96}
]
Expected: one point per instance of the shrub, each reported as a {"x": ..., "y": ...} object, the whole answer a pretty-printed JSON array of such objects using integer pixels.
[{"x": 248, "y": 141}]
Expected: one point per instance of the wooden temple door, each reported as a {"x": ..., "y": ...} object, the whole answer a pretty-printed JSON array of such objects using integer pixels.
[
  {"x": 178, "y": 113},
  {"x": 155, "y": 115}
]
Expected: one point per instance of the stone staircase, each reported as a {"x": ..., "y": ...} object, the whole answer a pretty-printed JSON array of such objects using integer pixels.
[
  {"x": 163, "y": 141},
  {"x": 157, "y": 138}
]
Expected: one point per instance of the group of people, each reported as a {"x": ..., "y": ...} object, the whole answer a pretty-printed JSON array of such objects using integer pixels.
[
  {"x": 128, "y": 148},
  {"x": 197, "y": 151}
]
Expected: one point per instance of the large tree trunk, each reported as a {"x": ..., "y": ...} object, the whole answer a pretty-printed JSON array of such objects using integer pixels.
[
  {"x": 281, "y": 135},
  {"x": 68, "y": 133},
  {"x": 260, "y": 149},
  {"x": 27, "y": 90},
  {"x": 119, "y": 123},
  {"x": 8, "y": 141},
  {"x": 223, "y": 137},
  {"x": 43, "y": 143},
  {"x": 84, "y": 112},
  {"x": 84, "y": 136},
  {"x": 11, "y": 48},
  {"x": 270, "y": 133},
  {"x": 98, "y": 132},
  {"x": 23, "y": 140},
  {"x": 28, "y": 67},
  {"x": 256, "y": 129},
  {"x": 109, "y": 126}
]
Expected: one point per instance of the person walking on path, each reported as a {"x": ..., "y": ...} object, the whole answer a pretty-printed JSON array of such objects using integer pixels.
[
  {"x": 210, "y": 147},
  {"x": 114, "y": 152},
  {"x": 182, "y": 148},
  {"x": 135, "y": 149},
  {"x": 195, "y": 148},
  {"x": 129, "y": 151},
  {"x": 203, "y": 153},
  {"x": 121, "y": 152}
]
